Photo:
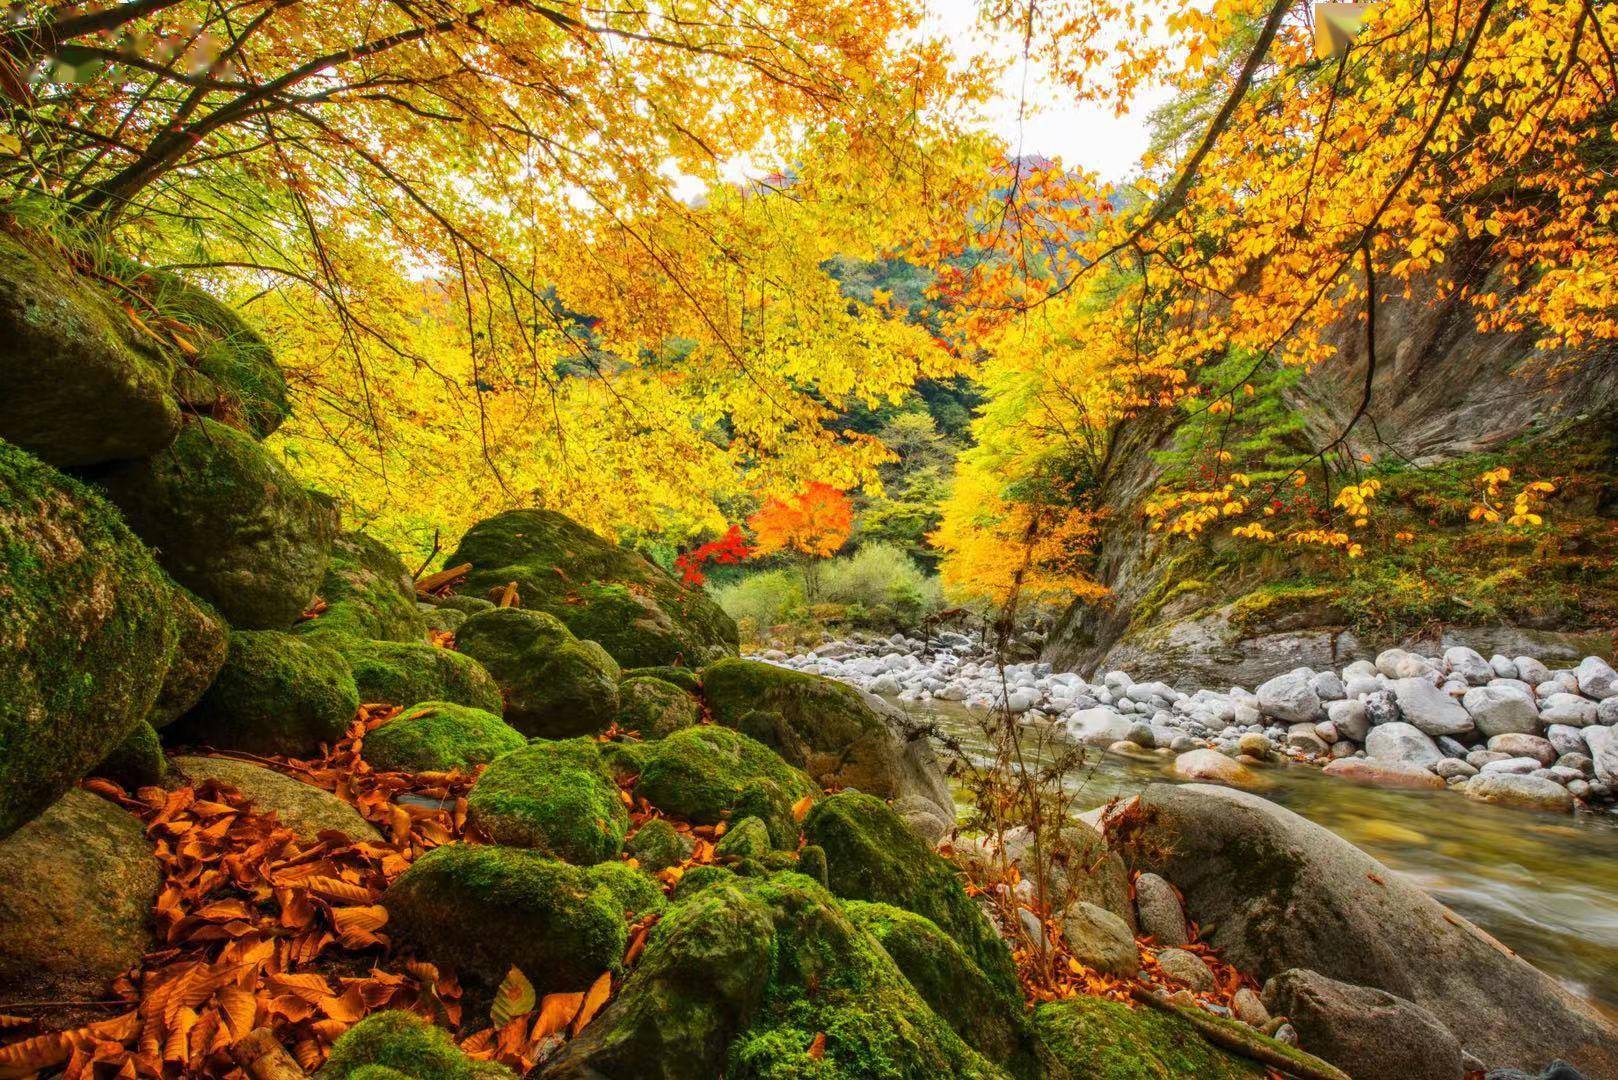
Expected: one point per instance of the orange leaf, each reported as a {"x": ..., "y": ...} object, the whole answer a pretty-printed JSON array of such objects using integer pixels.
[
  {"x": 555, "y": 1013},
  {"x": 817, "y": 1046},
  {"x": 596, "y": 997},
  {"x": 800, "y": 809}
]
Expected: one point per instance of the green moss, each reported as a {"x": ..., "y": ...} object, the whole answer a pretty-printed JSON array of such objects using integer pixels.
[
  {"x": 437, "y": 736},
  {"x": 87, "y": 633},
  {"x": 402, "y": 673},
  {"x": 136, "y": 762},
  {"x": 368, "y": 594},
  {"x": 229, "y": 522},
  {"x": 398, "y": 1043},
  {"x": 276, "y": 694},
  {"x": 700, "y": 773},
  {"x": 701, "y": 877},
  {"x": 467, "y": 605},
  {"x": 603, "y": 592},
  {"x": 554, "y": 684},
  {"x": 1108, "y": 1040},
  {"x": 655, "y": 708},
  {"x": 657, "y": 845},
  {"x": 199, "y": 653},
  {"x": 480, "y": 908},
  {"x": 634, "y": 891},
  {"x": 871, "y": 855},
  {"x": 685, "y": 678},
  {"x": 952, "y": 984},
  {"x": 767, "y": 801},
  {"x": 553, "y": 796},
  {"x": 746, "y": 839},
  {"x": 812, "y": 863}
]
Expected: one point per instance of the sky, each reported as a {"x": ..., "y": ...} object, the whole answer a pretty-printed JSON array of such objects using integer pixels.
[{"x": 1084, "y": 134}]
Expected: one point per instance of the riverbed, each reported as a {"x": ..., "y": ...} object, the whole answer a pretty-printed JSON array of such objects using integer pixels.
[{"x": 1546, "y": 886}]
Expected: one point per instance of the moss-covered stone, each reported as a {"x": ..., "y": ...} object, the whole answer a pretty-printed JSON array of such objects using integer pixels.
[
  {"x": 554, "y": 684},
  {"x": 77, "y": 885},
  {"x": 444, "y": 620},
  {"x": 276, "y": 694},
  {"x": 700, "y": 773},
  {"x": 229, "y": 523},
  {"x": 136, "y": 762},
  {"x": 746, "y": 839},
  {"x": 697, "y": 878},
  {"x": 403, "y": 672},
  {"x": 639, "y": 612},
  {"x": 657, "y": 845},
  {"x": 437, "y": 736},
  {"x": 81, "y": 386},
  {"x": 554, "y": 796},
  {"x": 305, "y": 809},
  {"x": 468, "y": 605},
  {"x": 199, "y": 653},
  {"x": 683, "y": 677},
  {"x": 398, "y": 1043},
  {"x": 822, "y": 726},
  {"x": 87, "y": 631},
  {"x": 480, "y": 908},
  {"x": 634, "y": 890},
  {"x": 812, "y": 863},
  {"x": 236, "y": 379},
  {"x": 1108, "y": 1040},
  {"x": 992, "y": 1023},
  {"x": 368, "y": 594},
  {"x": 655, "y": 708},
  {"x": 871, "y": 855},
  {"x": 769, "y": 802}
]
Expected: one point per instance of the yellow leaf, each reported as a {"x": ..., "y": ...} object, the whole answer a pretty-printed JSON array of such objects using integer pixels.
[{"x": 515, "y": 997}]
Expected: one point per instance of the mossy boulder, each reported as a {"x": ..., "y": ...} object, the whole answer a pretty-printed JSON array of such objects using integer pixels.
[
  {"x": 1107, "y": 1040},
  {"x": 553, "y": 796},
  {"x": 638, "y": 612},
  {"x": 199, "y": 652},
  {"x": 633, "y": 889},
  {"x": 655, "y": 708},
  {"x": 397, "y": 1043},
  {"x": 82, "y": 385},
  {"x": 683, "y": 677},
  {"x": 467, "y": 605},
  {"x": 233, "y": 376},
  {"x": 748, "y": 838},
  {"x": 871, "y": 855},
  {"x": 136, "y": 762},
  {"x": 305, "y": 809},
  {"x": 700, "y": 773},
  {"x": 77, "y": 885},
  {"x": 744, "y": 976},
  {"x": 771, "y": 804},
  {"x": 480, "y": 908},
  {"x": 87, "y": 632},
  {"x": 555, "y": 685},
  {"x": 824, "y": 727},
  {"x": 229, "y": 523},
  {"x": 993, "y": 1023},
  {"x": 368, "y": 594},
  {"x": 403, "y": 672},
  {"x": 276, "y": 694},
  {"x": 437, "y": 736},
  {"x": 657, "y": 845}
]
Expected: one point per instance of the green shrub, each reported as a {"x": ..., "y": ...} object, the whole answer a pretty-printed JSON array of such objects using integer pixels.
[
  {"x": 880, "y": 583},
  {"x": 764, "y": 600}
]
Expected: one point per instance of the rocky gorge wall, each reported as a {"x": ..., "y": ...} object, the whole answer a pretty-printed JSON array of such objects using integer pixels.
[{"x": 1448, "y": 402}]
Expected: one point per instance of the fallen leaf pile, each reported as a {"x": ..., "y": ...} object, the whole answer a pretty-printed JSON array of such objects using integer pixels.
[{"x": 257, "y": 927}]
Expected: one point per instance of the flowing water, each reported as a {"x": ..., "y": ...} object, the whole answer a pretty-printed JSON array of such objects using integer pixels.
[{"x": 1545, "y": 885}]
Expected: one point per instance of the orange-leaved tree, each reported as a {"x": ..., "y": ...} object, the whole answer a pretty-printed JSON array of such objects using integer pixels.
[{"x": 811, "y": 525}]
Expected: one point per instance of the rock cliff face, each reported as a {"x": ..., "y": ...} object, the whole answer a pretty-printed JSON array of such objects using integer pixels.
[{"x": 1447, "y": 403}]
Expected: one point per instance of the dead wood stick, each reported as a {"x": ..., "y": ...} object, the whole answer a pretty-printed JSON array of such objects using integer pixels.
[
  {"x": 262, "y": 1057},
  {"x": 443, "y": 577},
  {"x": 1303, "y": 1066}
]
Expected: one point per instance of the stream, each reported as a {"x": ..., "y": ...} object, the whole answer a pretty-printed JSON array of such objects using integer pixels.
[{"x": 1547, "y": 886}]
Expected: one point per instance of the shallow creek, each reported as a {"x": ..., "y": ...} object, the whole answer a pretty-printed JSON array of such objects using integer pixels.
[{"x": 1547, "y": 886}]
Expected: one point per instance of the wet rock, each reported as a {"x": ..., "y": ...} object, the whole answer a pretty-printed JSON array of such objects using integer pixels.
[
  {"x": 1368, "y": 1033},
  {"x": 1399, "y": 741},
  {"x": 1099, "y": 726},
  {"x": 1387, "y": 774},
  {"x": 1212, "y": 766},
  {"x": 1187, "y": 968},
  {"x": 1525, "y": 792}
]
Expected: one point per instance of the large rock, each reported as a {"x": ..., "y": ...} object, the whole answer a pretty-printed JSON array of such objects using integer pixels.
[
  {"x": 1369, "y": 1034},
  {"x": 830, "y": 730},
  {"x": 1291, "y": 697},
  {"x": 437, "y": 736},
  {"x": 1429, "y": 709},
  {"x": 638, "y": 612},
  {"x": 229, "y": 522},
  {"x": 1399, "y": 741},
  {"x": 405, "y": 672},
  {"x": 1501, "y": 708},
  {"x": 87, "y": 632},
  {"x": 555, "y": 685},
  {"x": 1523, "y": 792},
  {"x": 1211, "y": 765},
  {"x": 1596, "y": 678},
  {"x": 199, "y": 653},
  {"x": 1386, "y": 774},
  {"x": 555, "y": 797},
  {"x": 368, "y": 594},
  {"x": 82, "y": 386},
  {"x": 77, "y": 885},
  {"x": 871, "y": 855},
  {"x": 703, "y": 774},
  {"x": 1099, "y": 726},
  {"x": 303, "y": 808},
  {"x": 1279, "y": 892},
  {"x": 276, "y": 694}
]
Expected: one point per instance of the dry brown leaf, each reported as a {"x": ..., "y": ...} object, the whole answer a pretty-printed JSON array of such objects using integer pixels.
[
  {"x": 817, "y": 1046},
  {"x": 556, "y": 1012},
  {"x": 800, "y": 809},
  {"x": 594, "y": 998}
]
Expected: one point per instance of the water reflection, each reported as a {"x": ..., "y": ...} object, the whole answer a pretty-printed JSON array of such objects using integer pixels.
[{"x": 1545, "y": 886}]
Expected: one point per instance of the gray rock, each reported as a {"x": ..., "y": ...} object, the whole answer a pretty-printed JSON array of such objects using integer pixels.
[
  {"x": 1280, "y": 892},
  {"x": 1291, "y": 697},
  {"x": 1453, "y": 767},
  {"x": 1360, "y": 685},
  {"x": 1603, "y": 743},
  {"x": 1524, "y": 792},
  {"x": 1158, "y": 911},
  {"x": 1402, "y": 742},
  {"x": 1451, "y": 747},
  {"x": 1402, "y": 664},
  {"x": 1304, "y": 737},
  {"x": 1607, "y": 712},
  {"x": 1503, "y": 666},
  {"x": 1381, "y": 708},
  {"x": 1531, "y": 671},
  {"x": 1100, "y": 939},
  {"x": 1500, "y": 708},
  {"x": 1430, "y": 709},
  {"x": 1468, "y": 665},
  {"x": 1529, "y": 746},
  {"x": 1186, "y": 967},
  {"x": 1570, "y": 709},
  {"x": 1328, "y": 687},
  {"x": 1582, "y": 764},
  {"x": 1596, "y": 678},
  {"x": 1349, "y": 718},
  {"x": 1567, "y": 739},
  {"x": 1098, "y": 727},
  {"x": 1369, "y": 1034},
  {"x": 1511, "y": 766},
  {"x": 1480, "y": 757}
]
